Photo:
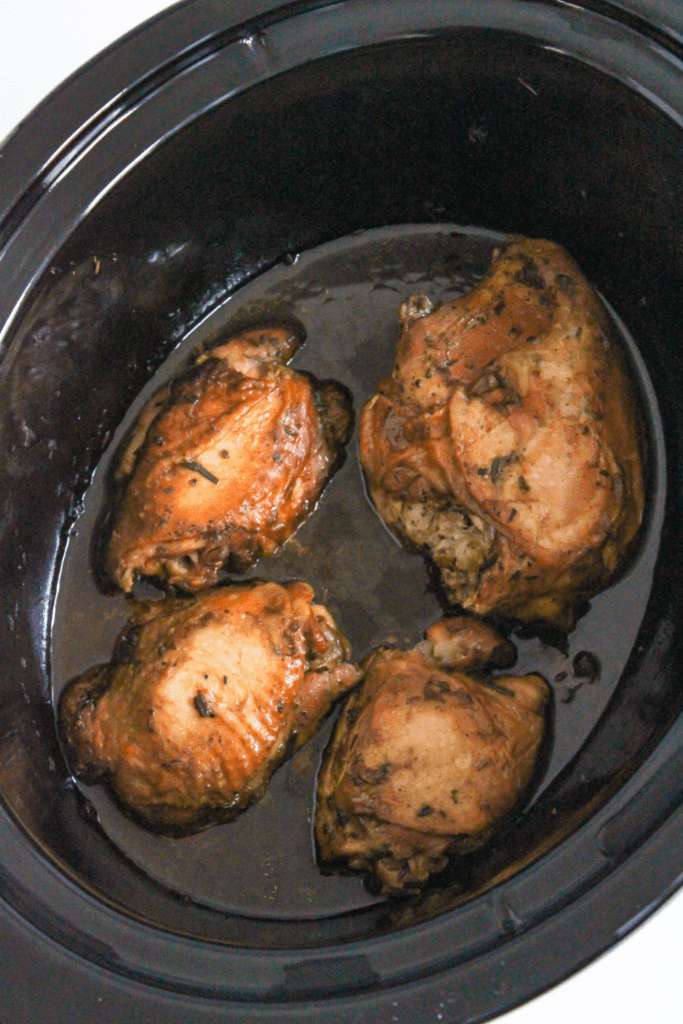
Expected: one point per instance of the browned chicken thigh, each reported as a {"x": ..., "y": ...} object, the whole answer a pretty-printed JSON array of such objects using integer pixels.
[
  {"x": 429, "y": 757},
  {"x": 505, "y": 442},
  {"x": 224, "y": 464},
  {"x": 204, "y": 698}
]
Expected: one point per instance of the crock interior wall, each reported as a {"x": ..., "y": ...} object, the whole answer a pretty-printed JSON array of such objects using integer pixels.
[{"x": 472, "y": 128}]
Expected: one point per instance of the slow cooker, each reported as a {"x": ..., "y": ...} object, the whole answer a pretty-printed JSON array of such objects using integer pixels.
[{"x": 216, "y": 148}]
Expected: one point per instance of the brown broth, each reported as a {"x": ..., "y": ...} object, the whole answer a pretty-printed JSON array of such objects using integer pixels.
[{"x": 346, "y": 295}]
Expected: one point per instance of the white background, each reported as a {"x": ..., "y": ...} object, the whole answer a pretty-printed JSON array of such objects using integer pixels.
[{"x": 41, "y": 43}]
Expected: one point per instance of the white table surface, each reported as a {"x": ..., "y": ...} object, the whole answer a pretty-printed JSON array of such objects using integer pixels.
[{"x": 639, "y": 982}]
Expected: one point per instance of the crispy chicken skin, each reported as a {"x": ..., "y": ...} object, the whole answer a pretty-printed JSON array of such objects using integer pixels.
[
  {"x": 224, "y": 464},
  {"x": 204, "y": 698},
  {"x": 427, "y": 760},
  {"x": 505, "y": 442}
]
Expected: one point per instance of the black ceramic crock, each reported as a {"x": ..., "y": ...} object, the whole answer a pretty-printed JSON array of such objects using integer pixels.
[{"x": 183, "y": 163}]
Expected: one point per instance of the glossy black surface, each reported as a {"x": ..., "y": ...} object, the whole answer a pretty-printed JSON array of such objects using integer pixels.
[{"x": 513, "y": 117}]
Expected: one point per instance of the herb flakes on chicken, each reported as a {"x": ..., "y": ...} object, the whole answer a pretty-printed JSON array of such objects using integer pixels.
[
  {"x": 224, "y": 464},
  {"x": 429, "y": 758},
  {"x": 505, "y": 442},
  {"x": 204, "y": 698}
]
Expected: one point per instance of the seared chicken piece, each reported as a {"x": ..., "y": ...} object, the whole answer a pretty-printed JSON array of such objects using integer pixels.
[
  {"x": 204, "y": 698},
  {"x": 224, "y": 464},
  {"x": 505, "y": 442},
  {"x": 427, "y": 761}
]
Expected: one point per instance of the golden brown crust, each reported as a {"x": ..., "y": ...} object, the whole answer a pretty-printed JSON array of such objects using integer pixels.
[
  {"x": 425, "y": 762},
  {"x": 505, "y": 442},
  {"x": 203, "y": 699},
  {"x": 224, "y": 464}
]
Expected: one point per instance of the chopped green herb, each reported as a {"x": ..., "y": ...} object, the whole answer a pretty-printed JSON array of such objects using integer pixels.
[
  {"x": 202, "y": 707},
  {"x": 496, "y": 468},
  {"x": 195, "y": 467}
]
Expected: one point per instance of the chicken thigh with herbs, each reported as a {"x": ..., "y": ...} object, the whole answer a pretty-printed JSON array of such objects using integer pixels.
[
  {"x": 204, "y": 698},
  {"x": 505, "y": 442},
  {"x": 430, "y": 756},
  {"x": 224, "y": 464}
]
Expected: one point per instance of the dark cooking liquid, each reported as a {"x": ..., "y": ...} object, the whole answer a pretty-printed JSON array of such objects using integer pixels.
[{"x": 346, "y": 295}]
